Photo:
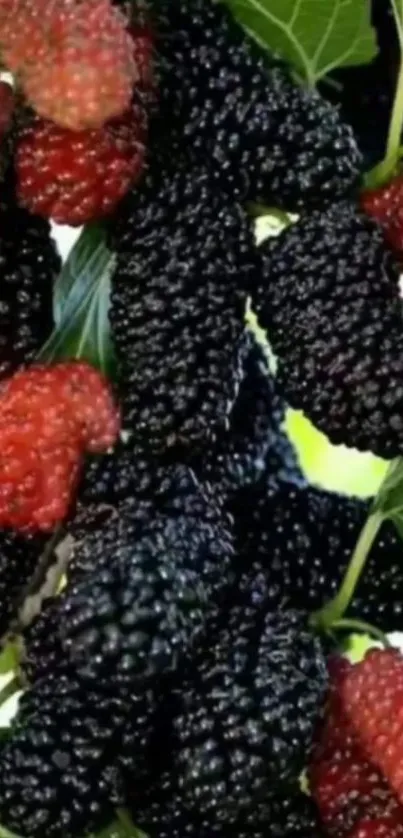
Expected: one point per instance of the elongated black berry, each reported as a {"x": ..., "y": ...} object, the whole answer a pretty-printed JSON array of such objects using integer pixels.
[
  {"x": 186, "y": 260},
  {"x": 28, "y": 267},
  {"x": 142, "y": 580},
  {"x": 255, "y": 442},
  {"x": 57, "y": 771},
  {"x": 162, "y": 814},
  {"x": 330, "y": 301},
  {"x": 247, "y": 711},
  {"x": 19, "y": 557},
  {"x": 226, "y": 102},
  {"x": 294, "y": 544}
]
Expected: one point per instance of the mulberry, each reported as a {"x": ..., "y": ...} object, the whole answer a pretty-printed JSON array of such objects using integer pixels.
[
  {"x": 42, "y": 647},
  {"x": 247, "y": 711},
  {"x": 19, "y": 557},
  {"x": 28, "y": 267},
  {"x": 54, "y": 771},
  {"x": 294, "y": 545},
  {"x": 185, "y": 261},
  {"x": 265, "y": 136},
  {"x": 332, "y": 309},
  {"x": 238, "y": 456},
  {"x": 142, "y": 580},
  {"x": 163, "y": 815}
]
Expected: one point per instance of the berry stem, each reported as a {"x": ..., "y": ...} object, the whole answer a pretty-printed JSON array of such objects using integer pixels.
[
  {"x": 13, "y": 686},
  {"x": 362, "y": 627},
  {"x": 384, "y": 170},
  {"x": 334, "y": 610}
]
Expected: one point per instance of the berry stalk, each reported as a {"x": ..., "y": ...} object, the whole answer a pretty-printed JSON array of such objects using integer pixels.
[
  {"x": 384, "y": 170},
  {"x": 331, "y": 614},
  {"x": 361, "y": 626}
]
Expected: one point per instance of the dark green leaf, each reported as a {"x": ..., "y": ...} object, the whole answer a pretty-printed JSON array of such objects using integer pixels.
[
  {"x": 82, "y": 303},
  {"x": 314, "y": 36},
  {"x": 83, "y": 259}
]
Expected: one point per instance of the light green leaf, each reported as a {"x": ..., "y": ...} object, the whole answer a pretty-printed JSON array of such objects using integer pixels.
[
  {"x": 4, "y": 833},
  {"x": 314, "y": 36},
  {"x": 9, "y": 658},
  {"x": 119, "y": 830},
  {"x": 82, "y": 302},
  {"x": 389, "y": 500}
]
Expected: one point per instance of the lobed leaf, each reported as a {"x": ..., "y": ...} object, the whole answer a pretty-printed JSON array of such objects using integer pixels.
[{"x": 314, "y": 36}]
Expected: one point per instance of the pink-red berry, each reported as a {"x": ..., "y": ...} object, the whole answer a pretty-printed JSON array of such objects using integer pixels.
[
  {"x": 372, "y": 695},
  {"x": 75, "y": 177},
  {"x": 74, "y": 58}
]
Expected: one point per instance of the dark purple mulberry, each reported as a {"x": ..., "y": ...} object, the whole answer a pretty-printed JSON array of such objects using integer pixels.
[
  {"x": 246, "y": 712},
  {"x": 29, "y": 265},
  {"x": 186, "y": 260},
  {"x": 142, "y": 580},
  {"x": 224, "y": 100},
  {"x": 332, "y": 309},
  {"x": 294, "y": 544}
]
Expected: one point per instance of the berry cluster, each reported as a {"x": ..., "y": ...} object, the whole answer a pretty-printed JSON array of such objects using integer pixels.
[{"x": 180, "y": 676}]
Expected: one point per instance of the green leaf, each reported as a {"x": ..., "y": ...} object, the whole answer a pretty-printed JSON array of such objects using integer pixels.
[
  {"x": 389, "y": 500},
  {"x": 314, "y": 36},
  {"x": 397, "y": 520},
  {"x": 83, "y": 258},
  {"x": 119, "y": 830},
  {"x": 9, "y": 658},
  {"x": 81, "y": 305},
  {"x": 5, "y": 833}
]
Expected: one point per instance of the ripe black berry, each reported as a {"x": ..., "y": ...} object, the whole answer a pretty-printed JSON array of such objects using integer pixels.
[
  {"x": 54, "y": 770},
  {"x": 19, "y": 556},
  {"x": 246, "y": 712},
  {"x": 142, "y": 580},
  {"x": 332, "y": 307},
  {"x": 225, "y": 102},
  {"x": 294, "y": 545},
  {"x": 186, "y": 260},
  {"x": 28, "y": 266}
]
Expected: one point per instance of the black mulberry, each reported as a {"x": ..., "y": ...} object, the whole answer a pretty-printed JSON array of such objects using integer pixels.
[
  {"x": 28, "y": 267},
  {"x": 294, "y": 545},
  {"x": 142, "y": 582},
  {"x": 247, "y": 711},
  {"x": 19, "y": 557},
  {"x": 162, "y": 814},
  {"x": 223, "y": 100},
  {"x": 333, "y": 313},
  {"x": 239, "y": 455},
  {"x": 54, "y": 769},
  {"x": 186, "y": 260}
]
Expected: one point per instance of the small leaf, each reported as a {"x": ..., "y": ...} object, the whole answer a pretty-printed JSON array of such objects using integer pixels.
[
  {"x": 82, "y": 303},
  {"x": 314, "y": 36}
]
